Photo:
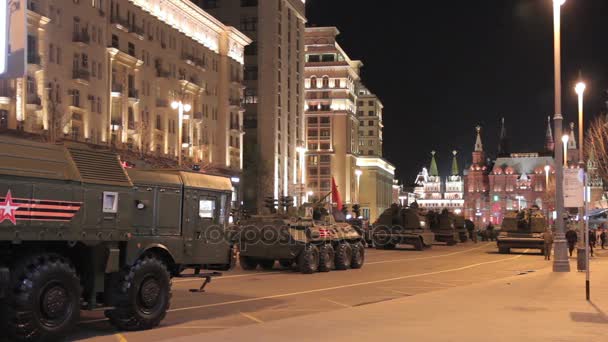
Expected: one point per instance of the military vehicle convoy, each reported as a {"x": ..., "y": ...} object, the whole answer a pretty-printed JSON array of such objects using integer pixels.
[
  {"x": 522, "y": 229},
  {"x": 398, "y": 225},
  {"x": 310, "y": 240},
  {"x": 460, "y": 227},
  {"x": 77, "y": 231}
]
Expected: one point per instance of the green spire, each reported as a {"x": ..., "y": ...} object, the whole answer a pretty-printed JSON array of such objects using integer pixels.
[
  {"x": 455, "y": 170},
  {"x": 434, "y": 171}
]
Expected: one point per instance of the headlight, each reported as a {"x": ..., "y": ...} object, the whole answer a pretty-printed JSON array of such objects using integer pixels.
[{"x": 422, "y": 224}]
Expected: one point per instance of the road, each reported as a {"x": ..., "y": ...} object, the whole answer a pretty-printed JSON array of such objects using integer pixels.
[{"x": 240, "y": 298}]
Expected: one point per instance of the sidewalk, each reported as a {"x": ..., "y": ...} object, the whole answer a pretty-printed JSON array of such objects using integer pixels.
[{"x": 541, "y": 306}]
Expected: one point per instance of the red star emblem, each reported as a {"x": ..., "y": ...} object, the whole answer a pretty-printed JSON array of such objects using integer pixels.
[{"x": 8, "y": 209}]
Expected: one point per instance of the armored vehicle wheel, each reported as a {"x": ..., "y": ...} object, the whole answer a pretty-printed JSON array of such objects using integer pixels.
[
  {"x": 308, "y": 260},
  {"x": 286, "y": 263},
  {"x": 451, "y": 242},
  {"x": 143, "y": 296},
  {"x": 45, "y": 303},
  {"x": 358, "y": 258},
  {"x": 504, "y": 250},
  {"x": 418, "y": 244},
  {"x": 344, "y": 256},
  {"x": 326, "y": 258},
  {"x": 267, "y": 264},
  {"x": 248, "y": 263}
]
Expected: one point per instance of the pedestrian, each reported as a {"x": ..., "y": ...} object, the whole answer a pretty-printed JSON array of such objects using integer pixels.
[
  {"x": 603, "y": 238},
  {"x": 592, "y": 241},
  {"x": 572, "y": 239},
  {"x": 490, "y": 231},
  {"x": 548, "y": 240}
]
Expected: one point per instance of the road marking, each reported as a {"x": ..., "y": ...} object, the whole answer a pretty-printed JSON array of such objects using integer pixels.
[
  {"x": 439, "y": 283},
  {"x": 255, "y": 299},
  {"x": 395, "y": 291},
  {"x": 251, "y": 317},
  {"x": 120, "y": 338},
  {"x": 199, "y": 327},
  {"x": 429, "y": 257},
  {"x": 337, "y": 303}
]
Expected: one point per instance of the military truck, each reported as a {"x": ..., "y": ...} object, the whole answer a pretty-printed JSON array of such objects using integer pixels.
[
  {"x": 77, "y": 231},
  {"x": 398, "y": 225},
  {"x": 310, "y": 239},
  {"x": 443, "y": 227},
  {"x": 522, "y": 229},
  {"x": 460, "y": 226}
]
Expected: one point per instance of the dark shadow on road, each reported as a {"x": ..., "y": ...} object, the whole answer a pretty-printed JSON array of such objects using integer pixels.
[
  {"x": 90, "y": 327},
  {"x": 515, "y": 253},
  {"x": 599, "y": 317}
]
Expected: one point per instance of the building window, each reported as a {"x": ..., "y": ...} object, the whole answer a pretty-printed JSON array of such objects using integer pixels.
[
  {"x": 370, "y": 113},
  {"x": 207, "y": 4},
  {"x": 249, "y": 24},
  {"x": 251, "y": 73},
  {"x": 371, "y": 103},
  {"x": 314, "y": 58},
  {"x": 131, "y": 49},
  {"x": 251, "y": 49},
  {"x": 115, "y": 41}
]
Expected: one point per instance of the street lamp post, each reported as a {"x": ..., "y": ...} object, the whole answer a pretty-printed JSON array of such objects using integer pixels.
[
  {"x": 302, "y": 191},
  {"x": 581, "y": 242},
  {"x": 181, "y": 109},
  {"x": 560, "y": 261},
  {"x": 547, "y": 170}
]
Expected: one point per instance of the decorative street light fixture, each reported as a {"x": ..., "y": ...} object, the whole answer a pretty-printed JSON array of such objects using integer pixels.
[
  {"x": 560, "y": 261},
  {"x": 182, "y": 108},
  {"x": 301, "y": 150},
  {"x": 358, "y": 173},
  {"x": 565, "y": 139}
]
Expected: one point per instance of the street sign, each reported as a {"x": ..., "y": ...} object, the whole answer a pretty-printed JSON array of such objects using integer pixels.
[{"x": 574, "y": 188}]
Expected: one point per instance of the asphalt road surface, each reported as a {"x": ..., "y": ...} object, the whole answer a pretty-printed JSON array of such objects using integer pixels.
[{"x": 254, "y": 297}]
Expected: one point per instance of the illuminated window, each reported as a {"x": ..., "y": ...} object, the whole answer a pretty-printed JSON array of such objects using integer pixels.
[{"x": 206, "y": 208}]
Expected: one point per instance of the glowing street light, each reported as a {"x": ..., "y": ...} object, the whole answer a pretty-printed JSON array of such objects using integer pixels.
[
  {"x": 565, "y": 139},
  {"x": 181, "y": 108},
  {"x": 358, "y": 173}
]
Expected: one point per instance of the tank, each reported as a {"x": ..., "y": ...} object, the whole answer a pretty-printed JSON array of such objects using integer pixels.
[
  {"x": 79, "y": 232},
  {"x": 397, "y": 225},
  {"x": 522, "y": 229},
  {"x": 443, "y": 226},
  {"x": 310, "y": 240}
]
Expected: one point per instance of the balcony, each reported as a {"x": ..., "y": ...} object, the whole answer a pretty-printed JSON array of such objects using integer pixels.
[
  {"x": 161, "y": 73},
  {"x": 133, "y": 95},
  {"x": 235, "y": 126},
  {"x": 81, "y": 38},
  {"x": 160, "y": 103},
  {"x": 34, "y": 61},
  {"x": 33, "y": 102},
  {"x": 120, "y": 23},
  {"x": 81, "y": 76},
  {"x": 237, "y": 103},
  {"x": 139, "y": 32},
  {"x": 117, "y": 90},
  {"x": 192, "y": 60}
]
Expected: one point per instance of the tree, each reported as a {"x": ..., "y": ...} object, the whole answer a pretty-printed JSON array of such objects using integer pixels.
[
  {"x": 58, "y": 118},
  {"x": 597, "y": 144}
]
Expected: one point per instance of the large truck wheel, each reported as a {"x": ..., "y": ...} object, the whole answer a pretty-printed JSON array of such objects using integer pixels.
[
  {"x": 504, "y": 250},
  {"x": 44, "y": 303},
  {"x": 358, "y": 258},
  {"x": 463, "y": 237},
  {"x": 451, "y": 241},
  {"x": 308, "y": 260},
  {"x": 344, "y": 256},
  {"x": 326, "y": 258},
  {"x": 248, "y": 263},
  {"x": 143, "y": 296},
  {"x": 418, "y": 244},
  {"x": 267, "y": 264}
]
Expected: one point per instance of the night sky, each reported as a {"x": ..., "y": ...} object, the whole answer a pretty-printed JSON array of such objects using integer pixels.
[{"x": 442, "y": 67}]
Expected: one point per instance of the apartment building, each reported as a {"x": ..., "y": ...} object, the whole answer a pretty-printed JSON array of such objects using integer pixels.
[
  {"x": 274, "y": 94},
  {"x": 118, "y": 72},
  {"x": 369, "y": 112}
]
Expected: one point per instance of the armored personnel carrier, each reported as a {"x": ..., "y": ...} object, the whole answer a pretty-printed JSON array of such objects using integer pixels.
[
  {"x": 78, "y": 231},
  {"x": 522, "y": 229},
  {"x": 398, "y": 225},
  {"x": 443, "y": 227},
  {"x": 311, "y": 239}
]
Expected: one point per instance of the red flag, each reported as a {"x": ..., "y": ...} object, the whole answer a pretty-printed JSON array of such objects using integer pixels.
[{"x": 335, "y": 194}]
